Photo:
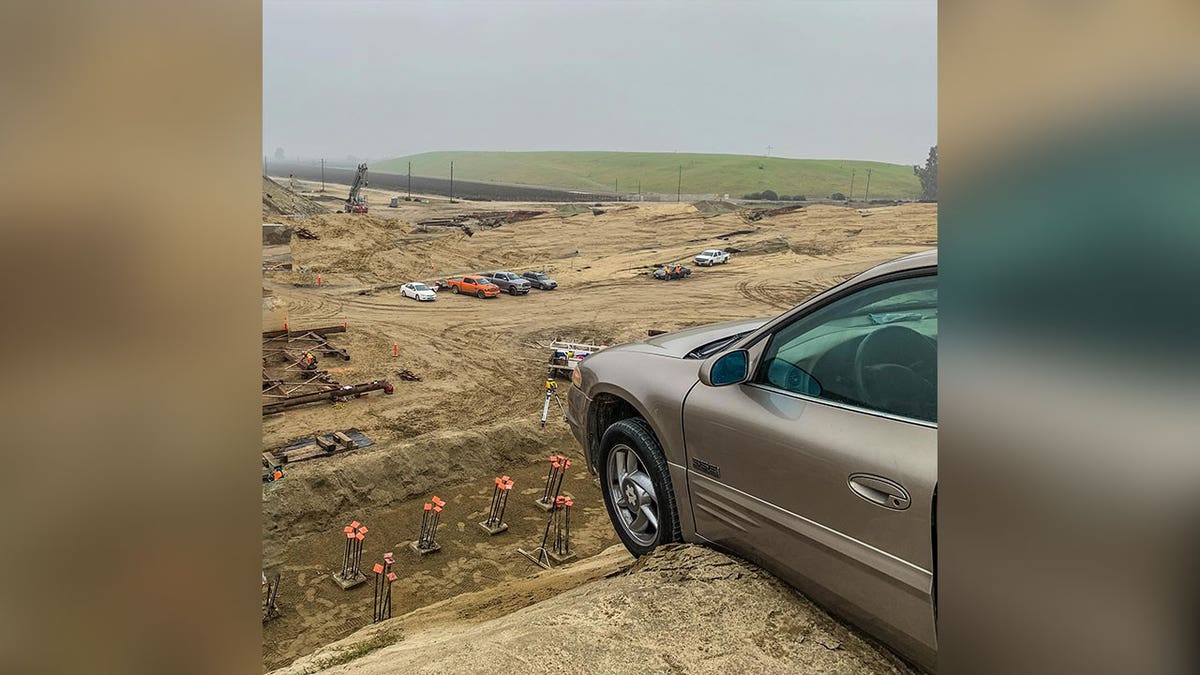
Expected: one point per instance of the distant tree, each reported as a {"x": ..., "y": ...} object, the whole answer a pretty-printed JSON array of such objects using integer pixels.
[
  {"x": 753, "y": 195},
  {"x": 769, "y": 195},
  {"x": 279, "y": 154},
  {"x": 928, "y": 176},
  {"x": 838, "y": 197}
]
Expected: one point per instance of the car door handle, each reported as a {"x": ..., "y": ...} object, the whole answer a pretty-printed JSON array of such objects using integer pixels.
[{"x": 879, "y": 491}]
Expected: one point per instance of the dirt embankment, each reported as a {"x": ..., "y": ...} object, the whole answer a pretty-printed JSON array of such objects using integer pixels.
[
  {"x": 683, "y": 609},
  {"x": 281, "y": 201}
]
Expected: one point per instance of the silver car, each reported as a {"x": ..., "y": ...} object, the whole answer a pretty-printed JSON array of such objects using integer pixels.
[{"x": 806, "y": 443}]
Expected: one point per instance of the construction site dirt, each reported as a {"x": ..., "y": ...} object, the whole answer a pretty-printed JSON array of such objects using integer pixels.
[{"x": 474, "y": 414}]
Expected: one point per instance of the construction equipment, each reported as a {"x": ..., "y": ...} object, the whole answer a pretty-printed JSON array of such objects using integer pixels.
[
  {"x": 355, "y": 203},
  {"x": 566, "y": 356},
  {"x": 552, "y": 392}
]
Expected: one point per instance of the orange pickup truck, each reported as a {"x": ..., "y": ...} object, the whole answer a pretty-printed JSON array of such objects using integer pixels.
[{"x": 473, "y": 284}]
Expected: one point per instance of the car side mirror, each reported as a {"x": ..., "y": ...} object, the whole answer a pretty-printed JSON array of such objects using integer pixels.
[{"x": 725, "y": 369}]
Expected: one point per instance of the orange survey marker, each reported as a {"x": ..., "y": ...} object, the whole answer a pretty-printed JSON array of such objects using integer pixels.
[{"x": 378, "y": 569}]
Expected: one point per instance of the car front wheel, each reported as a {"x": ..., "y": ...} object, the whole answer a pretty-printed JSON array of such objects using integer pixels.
[
  {"x": 454, "y": 290},
  {"x": 637, "y": 487}
]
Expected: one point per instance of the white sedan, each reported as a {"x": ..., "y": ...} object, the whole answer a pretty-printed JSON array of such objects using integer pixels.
[{"x": 418, "y": 291}]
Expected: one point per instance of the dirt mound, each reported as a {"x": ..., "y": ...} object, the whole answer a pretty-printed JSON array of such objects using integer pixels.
[
  {"x": 280, "y": 201},
  {"x": 761, "y": 247},
  {"x": 712, "y": 207},
  {"x": 656, "y": 612}
]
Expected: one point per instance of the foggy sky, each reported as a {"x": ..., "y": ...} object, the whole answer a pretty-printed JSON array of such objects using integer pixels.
[{"x": 834, "y": 79}]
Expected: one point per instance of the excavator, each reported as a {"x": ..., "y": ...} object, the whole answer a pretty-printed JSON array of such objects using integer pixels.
[{"x": 355, "y": 203}]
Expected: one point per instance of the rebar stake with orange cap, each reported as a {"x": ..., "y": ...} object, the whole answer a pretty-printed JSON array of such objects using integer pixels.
[
  {"x": 546, "y": 501},
  {"x": 558, "y": 471},
  {"x": 388, "y": 561},
  {"x": 270, "y": 609},
  {"x": 426, "y": 539},
  {"x": 350, "y": 575},
  {"x": 495, "y": 520},
  {"x": 377, "y": 601},
  {"x": 540, "y": 556},
  {"x": 561, "y": 551}
]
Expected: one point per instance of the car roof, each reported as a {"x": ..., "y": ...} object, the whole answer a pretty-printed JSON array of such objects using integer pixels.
[{"x": 908, "y": 262}]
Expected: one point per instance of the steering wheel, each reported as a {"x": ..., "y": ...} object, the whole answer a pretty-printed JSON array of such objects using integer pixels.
[{"x": 885, "y": 371}]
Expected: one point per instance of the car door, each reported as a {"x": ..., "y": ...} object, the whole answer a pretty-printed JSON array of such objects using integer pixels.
[{"x": 822, "y": 464}]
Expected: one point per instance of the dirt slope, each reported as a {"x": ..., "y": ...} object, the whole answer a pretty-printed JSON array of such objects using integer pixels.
[
  {"x": 280, "y": 201},
  {"x": 655, "y": 617}
]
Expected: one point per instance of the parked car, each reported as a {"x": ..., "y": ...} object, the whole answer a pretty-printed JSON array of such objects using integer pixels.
[
  {"x": 540, "y": 281},
  {"x": 476, "y": 285},
  {"x": 510, "y": 283},
  {"x": 712, "y": 256},
  {"x": 669, "y": 272},
  {"x": 418, "y": 291},
  {"x": 806, "y": 443}
]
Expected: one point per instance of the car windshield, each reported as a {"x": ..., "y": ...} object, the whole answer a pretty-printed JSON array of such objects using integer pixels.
[
  {"x": 537, "y": 276},
  {"x": 420, "y": 287},
  {"x": 712, "y": 253}
]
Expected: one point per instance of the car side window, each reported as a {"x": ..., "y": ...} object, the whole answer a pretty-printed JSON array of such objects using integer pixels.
[{"x": 875, "y": 348}]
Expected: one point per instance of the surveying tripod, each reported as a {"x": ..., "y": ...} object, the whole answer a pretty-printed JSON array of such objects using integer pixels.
[{"x": 551, "y": 392}]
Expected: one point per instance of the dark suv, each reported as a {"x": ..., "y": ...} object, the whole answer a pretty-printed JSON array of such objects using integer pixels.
[{"x": 540, "y": 281}]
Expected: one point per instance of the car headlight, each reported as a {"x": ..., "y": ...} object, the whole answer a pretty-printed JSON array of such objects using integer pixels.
[{"x": 577, "y": 377}]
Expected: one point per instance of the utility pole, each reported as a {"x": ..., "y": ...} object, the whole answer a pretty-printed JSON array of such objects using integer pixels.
[
  {"x": 410, "y": 181},
  {"x": 868, "y": 185},
  {"x": 850, "y": 197},
  {"x": 322, "y": 174},
  {"x": 768, "y": 151},
  {"x": 451, "y": 182},
  {"x": 639, "y": 189},
  {"x": 616, "y": 182},
  {"x": 679, "y": 185}
]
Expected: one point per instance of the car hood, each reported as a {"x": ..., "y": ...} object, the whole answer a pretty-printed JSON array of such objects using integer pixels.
[{"x": 679, "y": 343}]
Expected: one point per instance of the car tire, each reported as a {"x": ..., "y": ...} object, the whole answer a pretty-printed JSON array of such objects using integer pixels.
[
  {"x": 619, "y": 484},
  {"x": 512, "y": 290},
  {"x": 454, "y": 290},
  {"x": 480, "y": 294}
]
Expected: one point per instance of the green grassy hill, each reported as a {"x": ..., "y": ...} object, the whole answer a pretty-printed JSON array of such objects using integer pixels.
[{"x": 658, "y": 171}]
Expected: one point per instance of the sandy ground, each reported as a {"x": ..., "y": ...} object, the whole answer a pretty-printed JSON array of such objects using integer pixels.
[
  {"x": 684, "y": 609},
  {"x": 475, "y": 414}
]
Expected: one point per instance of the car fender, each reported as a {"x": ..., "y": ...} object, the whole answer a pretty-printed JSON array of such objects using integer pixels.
[{"x": 657, "y": 393}]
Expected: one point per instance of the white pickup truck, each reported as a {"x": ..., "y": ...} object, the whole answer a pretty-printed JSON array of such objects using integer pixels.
[{"x": 712, "y": 257}]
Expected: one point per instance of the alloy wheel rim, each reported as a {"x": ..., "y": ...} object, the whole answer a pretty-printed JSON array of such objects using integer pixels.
[{"x": 633, "y": 495}]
